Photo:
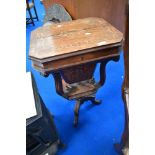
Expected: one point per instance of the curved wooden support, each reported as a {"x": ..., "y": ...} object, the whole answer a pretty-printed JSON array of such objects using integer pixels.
[
  {"x": 76, "y": 112},
  {"x": 79, "y": 102},
  {"x": 94, "y": 101},
  {"x": 125, "y": 136},
  {"x": 62, "y": 88},
  {"x": 123, "y": 147},
  {"x": 58, "y": 83},
  {"x": 102, "y": 73},
  {"x": 103, "y": 70}
]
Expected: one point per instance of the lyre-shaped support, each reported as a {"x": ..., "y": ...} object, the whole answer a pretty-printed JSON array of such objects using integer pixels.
[{"x": 81, "y": 98}]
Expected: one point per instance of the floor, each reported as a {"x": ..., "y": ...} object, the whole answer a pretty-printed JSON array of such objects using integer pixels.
[{"x": 99, "y": 126}]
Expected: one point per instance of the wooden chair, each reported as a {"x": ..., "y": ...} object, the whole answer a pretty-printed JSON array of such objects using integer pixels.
[{"x": 29, "y": 6}]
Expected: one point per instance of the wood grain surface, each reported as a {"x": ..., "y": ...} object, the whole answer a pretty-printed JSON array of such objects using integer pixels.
[
  {"x": 70, "y": 51},
  {"x": 68, "y": 37}
]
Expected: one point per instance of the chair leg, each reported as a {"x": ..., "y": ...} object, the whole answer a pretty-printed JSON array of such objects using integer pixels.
[
  {"x": 31, "y": 16},
  {"x": 36, "y": 13}
]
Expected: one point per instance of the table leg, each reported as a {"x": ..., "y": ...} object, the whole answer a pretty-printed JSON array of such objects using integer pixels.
[
  {"x": 76, "y": 111},
  {"x": 79, "y": 102},
  {"x": 94, "y": 101}
]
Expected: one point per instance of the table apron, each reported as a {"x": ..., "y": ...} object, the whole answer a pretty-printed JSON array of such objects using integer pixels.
[{"x": 93, "y": 57}]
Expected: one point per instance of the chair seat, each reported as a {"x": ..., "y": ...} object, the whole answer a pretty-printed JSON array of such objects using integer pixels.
[{"x": 31, "y": 5}]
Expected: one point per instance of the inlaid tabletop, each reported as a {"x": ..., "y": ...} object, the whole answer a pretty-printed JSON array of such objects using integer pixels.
[{"x": 74, "y": 36}]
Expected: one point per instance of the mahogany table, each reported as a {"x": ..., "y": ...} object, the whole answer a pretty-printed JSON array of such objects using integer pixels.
[{"x": 70, "y": 52}]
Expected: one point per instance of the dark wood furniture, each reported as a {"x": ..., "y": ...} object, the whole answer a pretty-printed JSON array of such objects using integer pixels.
[
  {"x": 41, "y": 134},
  {"x": 123, "y": 146},
  {"x": 29, "y": 6},
  {"x": 125, "y": 89},
  {"x": 70, "y": 51},
  {"x": 115, "y": 12}
]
